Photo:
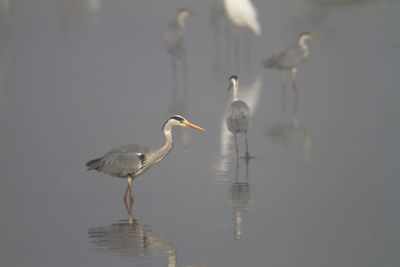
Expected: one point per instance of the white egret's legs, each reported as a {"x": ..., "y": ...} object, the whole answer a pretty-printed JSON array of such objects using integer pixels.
[{"x": 296, "y": 93}]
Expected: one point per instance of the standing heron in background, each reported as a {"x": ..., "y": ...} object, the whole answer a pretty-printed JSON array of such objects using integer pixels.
[
  {"x": 130, "y": 161},
  {"x": 243, "y": 14},
  {"x": 290, "y": 58},
  {"x": 238, "y": 115},
  {"x": 174, "y": 41}
]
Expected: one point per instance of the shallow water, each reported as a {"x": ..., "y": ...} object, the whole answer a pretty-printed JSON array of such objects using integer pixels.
[{"x": 78, "y": 78}]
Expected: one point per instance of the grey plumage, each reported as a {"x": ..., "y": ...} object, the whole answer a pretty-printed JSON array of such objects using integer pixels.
[
  {"x": 130, "y": 161},
  {"x": 174, "y": 33},
  {"x": 174, "y": 41},
  {"x": 238, "y": 117},
  {"x": 288, "y": 58},
  {"x": 122, "y": 161},
  {"x": 291, "y": 56}
]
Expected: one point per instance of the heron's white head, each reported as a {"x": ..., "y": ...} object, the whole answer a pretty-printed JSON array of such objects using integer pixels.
[
  {"x": 178, "y": 120},
  {"x": 182, "y": 14},
  {"x": 234, "y": 84}
]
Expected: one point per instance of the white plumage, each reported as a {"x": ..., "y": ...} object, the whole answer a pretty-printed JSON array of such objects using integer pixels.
[{"x": 243, "y": 14}]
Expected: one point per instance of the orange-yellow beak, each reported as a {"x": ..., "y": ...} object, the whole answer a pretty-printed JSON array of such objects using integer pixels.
[
  {"x": 314, "y": 36},
  {"x": 191, "y": 125}
]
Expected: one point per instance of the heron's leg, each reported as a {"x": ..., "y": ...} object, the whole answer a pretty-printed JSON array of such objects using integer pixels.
[
  {"x": 296, "y": 93},
  {"x": 236, "y": 146},
  {"x": 237, "y": 170},
  {"x": 126, "y": 192},
  {"x": 174, "y": 84},
  {"x": 185, "y": 76},
  {"x": 130, "y": 179},
  {"x": 247, "y": 169},
  {"x": 283, "y": 83},
  {"x": 247, "y": 148},
  {"x": 129, "y": 208}
]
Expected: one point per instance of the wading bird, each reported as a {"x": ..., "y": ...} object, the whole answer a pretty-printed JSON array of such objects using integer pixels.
[
  {"x": 130, "y": 161},
  {"x": 243, "y": 14},
  {"x": 238, "y": 115},
  {"x": 174, "y": 41},
  {"x": 291, "y": 57}
]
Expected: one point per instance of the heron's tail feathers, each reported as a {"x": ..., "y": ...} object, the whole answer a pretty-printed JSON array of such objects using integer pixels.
[{"x": 93, "y": 164}]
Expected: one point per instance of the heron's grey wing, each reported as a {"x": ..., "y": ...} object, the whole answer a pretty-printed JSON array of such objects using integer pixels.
[
  {"x": 290, "y": 57},
  {"x": 238, "y": 119},
  {"x": 125, "y": 160},
  {"x": 173, "y": 38}
]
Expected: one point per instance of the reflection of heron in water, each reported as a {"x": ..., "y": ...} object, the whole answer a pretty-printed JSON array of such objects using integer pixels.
[
  {"x": 291, "y": 134},
  {"x": 238, "y": 115},
  {"x": 240, "y": 197},
  {"x": 290, "y": 58},
  {"x": 174, "y": 41},
  {"x": 132, "y": 239}
]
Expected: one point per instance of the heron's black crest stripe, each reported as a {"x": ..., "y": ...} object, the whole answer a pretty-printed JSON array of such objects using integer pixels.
[
  {"x": 233, "y": 77},
  {"x": 304, "y": 33},
  {"x": 178, "y": 118},
  {"x": 175, "y": 117}
]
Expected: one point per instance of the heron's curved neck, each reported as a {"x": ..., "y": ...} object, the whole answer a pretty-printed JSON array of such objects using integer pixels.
[
  {"x": 164, "y": 150},
  {"x": 235, "y": 88},
  {"x": 303, "y": 45},
  {"x": 180, "y": 18}
]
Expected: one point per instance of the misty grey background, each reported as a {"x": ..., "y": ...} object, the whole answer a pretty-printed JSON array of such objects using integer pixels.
[{"x": 78, "y": 78}]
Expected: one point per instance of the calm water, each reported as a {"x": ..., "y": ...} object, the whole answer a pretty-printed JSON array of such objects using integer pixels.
[{"x": 80, "y": 77}]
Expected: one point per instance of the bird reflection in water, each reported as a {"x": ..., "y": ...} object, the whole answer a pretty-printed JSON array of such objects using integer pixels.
[
  {"x": 132, "y": 239},
  {"x": 240, "y": 196},
  {"x": 174, "y": 41},
  {"x": 291, "y": 134}
]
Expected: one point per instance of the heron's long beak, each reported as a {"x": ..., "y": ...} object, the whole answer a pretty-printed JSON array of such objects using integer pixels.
[
  {"x": 191, "y": 125},
  {"x": 314, "y": 36}
]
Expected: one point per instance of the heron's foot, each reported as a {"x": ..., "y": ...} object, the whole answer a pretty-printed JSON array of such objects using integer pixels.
[{"x": 248, "y": 157}]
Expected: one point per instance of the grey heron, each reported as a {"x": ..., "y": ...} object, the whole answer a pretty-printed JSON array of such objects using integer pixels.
[
  {"x": 174, "y": 41},
  {"x": 238, "y": 114},
  {"x": 130, "y": 161},
  {"x": 292, "y": 56}
]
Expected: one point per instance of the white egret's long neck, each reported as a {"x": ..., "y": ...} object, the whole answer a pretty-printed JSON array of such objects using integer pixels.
[
  {"x": 164, "y": 150},
  {"x": 235, "y": 89},
  {"x": 181, "y": 19},
  {"x": 303, "y": 45}
]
